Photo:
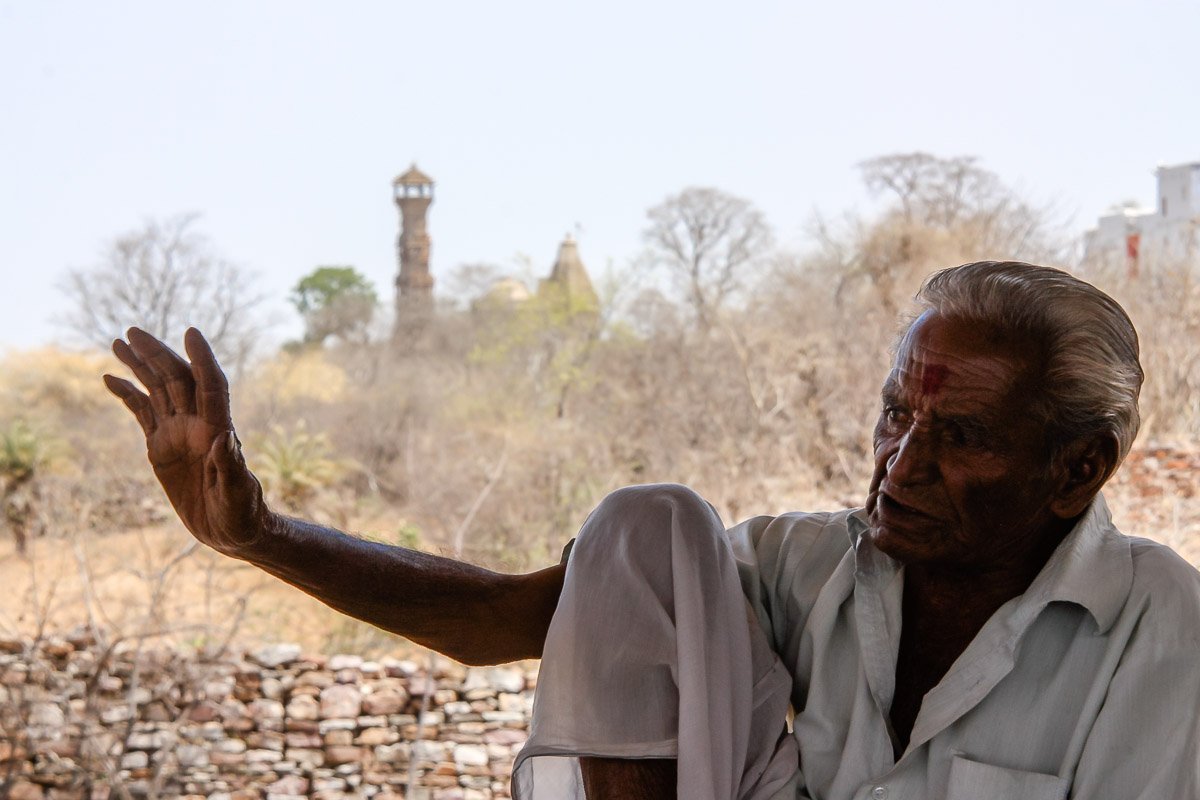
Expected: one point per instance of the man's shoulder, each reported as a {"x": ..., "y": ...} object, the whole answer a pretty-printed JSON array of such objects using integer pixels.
[
  {"x": 798, "y": 531},
  {"x": 796, "y": 545},
  {"x": 1166, "y": 588}
]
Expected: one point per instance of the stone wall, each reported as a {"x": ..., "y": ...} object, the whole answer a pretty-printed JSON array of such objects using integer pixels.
[{"x": 81, "y": 721}]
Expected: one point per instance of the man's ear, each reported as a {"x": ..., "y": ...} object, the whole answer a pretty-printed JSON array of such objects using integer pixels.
[{"x": 1086, "y": 465}]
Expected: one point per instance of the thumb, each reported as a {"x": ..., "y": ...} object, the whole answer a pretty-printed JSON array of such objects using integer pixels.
[{"x": 226, "y": 457}]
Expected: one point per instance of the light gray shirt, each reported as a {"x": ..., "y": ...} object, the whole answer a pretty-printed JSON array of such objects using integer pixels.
[{"x": 1085, "y": 686}]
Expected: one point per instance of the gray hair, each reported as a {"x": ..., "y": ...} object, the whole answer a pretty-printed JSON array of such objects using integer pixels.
[{"x": 1091, "y": 375}]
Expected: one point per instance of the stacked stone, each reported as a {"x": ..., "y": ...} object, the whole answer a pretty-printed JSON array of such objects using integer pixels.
[{"x": 274, "y": 723}]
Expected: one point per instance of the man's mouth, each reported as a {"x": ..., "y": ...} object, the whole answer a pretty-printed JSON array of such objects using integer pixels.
[{"x": 891, "y": 506}]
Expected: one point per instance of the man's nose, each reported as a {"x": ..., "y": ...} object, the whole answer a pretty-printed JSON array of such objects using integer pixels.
[{"x": 914, "y": 461}]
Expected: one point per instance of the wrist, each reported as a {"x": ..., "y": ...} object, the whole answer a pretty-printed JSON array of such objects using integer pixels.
[{"x": 260, "y": 541}]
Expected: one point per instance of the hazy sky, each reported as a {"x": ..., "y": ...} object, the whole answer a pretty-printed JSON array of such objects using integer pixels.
[{"x": 283, "y": 123}]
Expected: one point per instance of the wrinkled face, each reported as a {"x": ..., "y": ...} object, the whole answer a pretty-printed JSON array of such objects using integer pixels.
[{"x": 962, "y": 476}]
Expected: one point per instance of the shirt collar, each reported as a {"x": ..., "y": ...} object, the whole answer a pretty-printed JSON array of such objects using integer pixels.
[{"x": 1092, "y": 567}]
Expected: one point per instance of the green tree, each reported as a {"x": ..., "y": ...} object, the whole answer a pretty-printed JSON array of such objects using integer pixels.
[{"x": 335, "y": 301}]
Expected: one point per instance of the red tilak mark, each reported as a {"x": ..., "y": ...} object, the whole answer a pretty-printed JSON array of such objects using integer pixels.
[{"x": 933, "y": 377}]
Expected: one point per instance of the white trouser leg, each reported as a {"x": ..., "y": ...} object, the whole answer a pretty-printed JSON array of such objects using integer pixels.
[{"x": 653, "y": 653}]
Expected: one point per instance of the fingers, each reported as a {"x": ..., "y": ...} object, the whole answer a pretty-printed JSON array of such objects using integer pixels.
[
  {"x": 212, "y": 387},
  {"x": 173, "y": 373},
  {"x": 157, "y": 392},
  {"x": 135, "y": 401}
]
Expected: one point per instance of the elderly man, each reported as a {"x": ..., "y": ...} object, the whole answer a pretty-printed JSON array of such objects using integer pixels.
[{"x": 979, "y": 629}]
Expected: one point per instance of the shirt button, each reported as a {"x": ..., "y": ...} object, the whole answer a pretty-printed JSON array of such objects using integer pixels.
[{"x": 879, "y": 793}]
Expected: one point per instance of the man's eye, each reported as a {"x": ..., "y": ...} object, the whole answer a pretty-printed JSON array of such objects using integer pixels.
[
  {"x": 969, "y": 437},
  {"x": 894, "y": 414}
]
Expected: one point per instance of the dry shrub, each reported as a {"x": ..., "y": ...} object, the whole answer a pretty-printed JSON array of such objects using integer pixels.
[
  {"x": 92, "y": 470},
  {"x": 1163, "y": 300}
]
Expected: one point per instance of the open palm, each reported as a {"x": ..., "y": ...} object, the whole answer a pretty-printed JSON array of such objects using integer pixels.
[{"x": 190, "y": 441}]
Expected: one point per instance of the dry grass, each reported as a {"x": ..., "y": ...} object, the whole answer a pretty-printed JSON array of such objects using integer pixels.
[{"x": 111, "y": 581}]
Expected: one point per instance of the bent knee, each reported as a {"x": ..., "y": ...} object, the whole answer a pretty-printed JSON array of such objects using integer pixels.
[{"x": 653, "y": 511}]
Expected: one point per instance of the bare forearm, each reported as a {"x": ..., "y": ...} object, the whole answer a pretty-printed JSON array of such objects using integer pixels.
[{"x": 469, "y": 613}]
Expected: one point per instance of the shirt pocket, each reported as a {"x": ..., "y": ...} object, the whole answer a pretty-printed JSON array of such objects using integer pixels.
[{"x": 974, "y": 780}]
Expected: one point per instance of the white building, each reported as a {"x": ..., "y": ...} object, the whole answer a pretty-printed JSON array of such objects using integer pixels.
[{"x": 1167, "y": 233}]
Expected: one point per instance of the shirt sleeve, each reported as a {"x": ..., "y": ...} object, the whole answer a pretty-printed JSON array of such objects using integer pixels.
[
  {"x": 783, "y": 563},
  {"x": 756, "y": 559},
  {"x": 1146, "y": 739}
]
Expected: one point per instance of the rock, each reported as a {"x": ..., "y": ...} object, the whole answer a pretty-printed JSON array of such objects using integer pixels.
[
  {"x": 230, "y": 746},
  {"x": 265, "y": 740},
  {"x": 316, "y": 677},
  {"x": 109, "y": 684},
  {"x": 456, "y": 709},
  {"x": 204, "y": 711},
  {"x": 377, "y": 736},
  {"x": 506, "y": 679},
  {"x": 156, "y": 712},
  {"x": 391, "y": 753},
  {"x": 154, "y": 740},
  {"x": 46, "y": 714},
  {"x": 331, "y": 785},
  {"x": 341, "y": 700},
  {"x": 114, "y": 714},
  {"x": 338, "y": 738},
  {"x": 56, "y": 647},
  {"x": 236, "y": 729},
  {"x": 290, "y": 785},
  {"x": 505, "y": 736},
  {"x": 426, "y": 750},
  {"x": 12, "y": 645},
  {"x": 470, "y": 755},
  {"x": 303, "y": 707},
  {"x": 276, "y": 655},
  {"x": 303, "y": 739},
  {"x": 347, "y": 676},
  {"x": 306, "y": 757},
  {"x": 263, "y": 709},
  {"x": 344, "y": 661},
  {"x": 212, "y": 731},
  {"x": 15, "y": 675},
  {"x": 377, "y": 721},
  {"x": 191, "y": 756},
  {"x": 399, "y": 669},
  {"x": 67, "y": 793},
  {"x": 327, "y": 725},
  {"x": 24, "y": 790},
  {"x": 385, "y": 701},
  {"x": 421, "y": 685},
  {"x": 512, "y": 702},
  {"x": 342, "y": 754}
]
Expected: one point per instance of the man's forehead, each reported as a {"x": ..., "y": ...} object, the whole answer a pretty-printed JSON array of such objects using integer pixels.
[{"x": 936, "y": 355}]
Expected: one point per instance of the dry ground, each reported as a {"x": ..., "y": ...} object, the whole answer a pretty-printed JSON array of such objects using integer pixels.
[{"x": 137, "y": 582}]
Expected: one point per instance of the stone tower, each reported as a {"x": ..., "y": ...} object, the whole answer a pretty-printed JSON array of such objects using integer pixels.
[
  {"x": 413, "y": 192},
  {"x": 568, "y": 280}
]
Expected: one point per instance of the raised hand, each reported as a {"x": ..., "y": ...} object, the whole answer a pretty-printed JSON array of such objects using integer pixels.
[{"x": 190, "y": 441}]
